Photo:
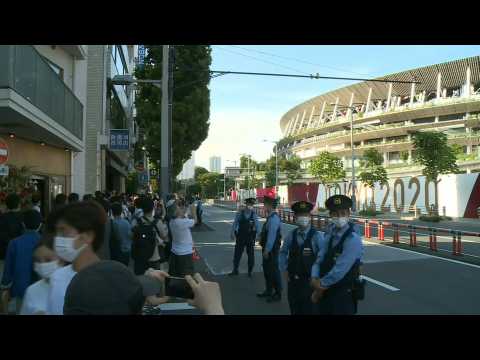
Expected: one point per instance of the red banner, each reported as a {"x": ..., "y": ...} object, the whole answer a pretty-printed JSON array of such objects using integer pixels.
[
  {"x": 303, "y": 192},
  {"x": 270, "y": 192}
]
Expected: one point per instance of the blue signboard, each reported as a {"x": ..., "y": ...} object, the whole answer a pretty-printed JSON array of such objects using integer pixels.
[
  {"x": 119, "y": 139},
  {"x": 143, "y": 178},
  {"x": 141, "y": 55}
]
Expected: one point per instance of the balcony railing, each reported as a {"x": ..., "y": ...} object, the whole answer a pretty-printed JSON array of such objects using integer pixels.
[{"x": 24, "y": 70}]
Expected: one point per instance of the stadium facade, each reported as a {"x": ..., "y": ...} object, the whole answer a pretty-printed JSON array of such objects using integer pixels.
[{"x": 445, "y": 98}]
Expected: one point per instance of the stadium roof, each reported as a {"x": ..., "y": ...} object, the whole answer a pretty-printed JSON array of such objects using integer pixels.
[{"x": 453, "y": 75}]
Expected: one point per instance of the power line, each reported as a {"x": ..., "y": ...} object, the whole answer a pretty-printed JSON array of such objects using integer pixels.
[
  {"x": 262, "y": 60},
  {"x": 298, "y": 60}
]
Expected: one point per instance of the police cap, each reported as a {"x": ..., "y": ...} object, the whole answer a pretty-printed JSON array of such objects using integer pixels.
[
  {"x": 338, "y": 202},
  {"x": 302, "y": 207},
  {"x": 250, "y": 201}
]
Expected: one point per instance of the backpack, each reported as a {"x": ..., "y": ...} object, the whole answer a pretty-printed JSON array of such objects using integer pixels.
[{"x": 144, "y": 239}]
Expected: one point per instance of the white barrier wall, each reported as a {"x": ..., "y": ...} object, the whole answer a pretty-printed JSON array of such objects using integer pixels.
[{"x": 405, "y": 193}]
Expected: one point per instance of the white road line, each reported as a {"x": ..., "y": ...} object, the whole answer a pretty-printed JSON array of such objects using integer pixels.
[
  {"x": 379, "y": 283},
  {"x": 426, "y": 255},
  {"x": 176, "y": 306}
]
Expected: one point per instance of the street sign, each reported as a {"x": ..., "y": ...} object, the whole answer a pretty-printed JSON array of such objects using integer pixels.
[
  {"x": 119, "y": 139},
  {"x": 3, "y": 170},
  {"x": 141, "y": 55},
  {"x": 232, "y": 171},
  {"x": 143, "y": 178},
  {"x": 3, "y": 152}
]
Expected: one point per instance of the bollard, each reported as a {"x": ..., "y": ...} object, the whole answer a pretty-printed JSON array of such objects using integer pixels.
[
  {"x": 459, "y": 244},
  {"x": 365, "y": 227},
  {"x": 411, "y": 235},
  {"x": 454, "y": 243},
  {"x": 434, "y": 239},
  {"x": 381, "y": 233},
  {"x": 414, "y": 235},
  {"x": 368, "y": 229},
  {"x": 430, "y": 238}
]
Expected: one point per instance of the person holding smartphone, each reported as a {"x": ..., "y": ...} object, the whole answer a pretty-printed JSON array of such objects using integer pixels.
[{"x": 181, "y": 257}]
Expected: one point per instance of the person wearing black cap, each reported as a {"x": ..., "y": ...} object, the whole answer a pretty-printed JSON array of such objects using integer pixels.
[
  {"x": 335, "y": 274},
  {"x": 297, "y": 256},
  {"x": 244, "y": 230},
  {"x": 270, "y": 239}
]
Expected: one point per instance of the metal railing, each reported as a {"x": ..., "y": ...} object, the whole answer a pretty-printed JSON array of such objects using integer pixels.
[{"x": 24, "y": 70}]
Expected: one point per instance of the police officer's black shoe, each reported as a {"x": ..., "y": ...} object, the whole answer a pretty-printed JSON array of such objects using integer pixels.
[
  {"x": 249, "y": 274},
  {"x": 264, "y": 294},
  {"x": 274, "y": 298},
  {"x": 233, "y": 273}
]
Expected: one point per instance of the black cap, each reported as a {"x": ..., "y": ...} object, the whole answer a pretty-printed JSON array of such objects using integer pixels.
[
  {"x": 302, "y": 207},
  {"x": 338, "y": 202},
  {"x": 250, "y": 201},
  {"x": 104, "y": 288}
]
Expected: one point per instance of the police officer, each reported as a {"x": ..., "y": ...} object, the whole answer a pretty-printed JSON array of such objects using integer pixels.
[
  {"x": 297, "y": 256},
  {"x": 335, "y": 274},
  {"x": 244, "y": 230},
  {"x": 270, "y": 239}
]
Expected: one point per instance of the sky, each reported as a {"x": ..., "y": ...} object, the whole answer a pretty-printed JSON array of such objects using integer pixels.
[{"x": 246, "y": 109}]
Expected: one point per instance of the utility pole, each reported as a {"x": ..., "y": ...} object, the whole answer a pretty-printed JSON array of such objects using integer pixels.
[{"x": 165, "y": 128}]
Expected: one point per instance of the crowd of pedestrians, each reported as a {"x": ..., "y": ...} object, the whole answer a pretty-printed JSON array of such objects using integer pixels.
[{"x": 99, "y": 254}]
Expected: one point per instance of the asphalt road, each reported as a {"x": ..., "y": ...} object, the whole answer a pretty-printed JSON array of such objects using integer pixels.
[{"x": 399, "y": 281}]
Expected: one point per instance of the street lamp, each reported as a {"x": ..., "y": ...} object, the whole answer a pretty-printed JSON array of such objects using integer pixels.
[
  {"x": 248, "y": 172},
  {"x": 225, "y": 179},
  {"x": 276, "y": 164}
]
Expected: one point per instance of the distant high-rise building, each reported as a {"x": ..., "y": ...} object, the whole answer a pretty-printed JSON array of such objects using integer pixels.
[
  {"x": 188, "y": 170},
  {"x": 215, "y": 164}
]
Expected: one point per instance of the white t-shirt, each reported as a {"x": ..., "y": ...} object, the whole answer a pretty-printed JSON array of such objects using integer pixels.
[
  {"x": 182, "y": 236},
  {"x": 36, "y": 298},
  {"x": 59, "y": 282}
]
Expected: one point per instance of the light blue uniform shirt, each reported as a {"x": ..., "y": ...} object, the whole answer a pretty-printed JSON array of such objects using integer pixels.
[
  {"x": 273, "y": 224},
  {"x": 352, "y": 251},
  {"x": 236, "y": 223},
  {"x": 317, "y": 240}
]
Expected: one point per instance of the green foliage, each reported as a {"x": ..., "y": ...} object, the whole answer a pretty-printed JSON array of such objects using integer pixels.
[
  {"x": 369, "y": 212},
  {"x": 290, "y": 167},
  {"x": 191, "y": 101},
  {"x": 404, "y": 155},
  {"x": 199, "y": 171},
  {"x": 194, "y": 189},
  {"x": 210, "y": 184},
  {"x": 372, "y": 169},
  {"x": 246, "y": 163},
  {"x": 327, "y": 168},
  {"x": 131, "y": 185},
  {"x": 432, "y": 151}
]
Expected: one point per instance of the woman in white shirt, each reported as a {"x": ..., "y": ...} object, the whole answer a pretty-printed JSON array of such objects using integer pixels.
[
  {"x": 78, "y": 235},
  {"x": 181, "y": 257}
]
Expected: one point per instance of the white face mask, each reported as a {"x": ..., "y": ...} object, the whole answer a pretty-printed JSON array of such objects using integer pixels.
[
  {"x": 303, "y": 221},
  {"x": 45, "y": 269},
  {"x": 340, "y": 221},
  {"x": 65, "y": 250}
]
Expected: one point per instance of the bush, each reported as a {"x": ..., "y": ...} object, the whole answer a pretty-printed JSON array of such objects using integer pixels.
[
  {"x": 369, "y": 212},
  {"x": 430, "y": 218}
]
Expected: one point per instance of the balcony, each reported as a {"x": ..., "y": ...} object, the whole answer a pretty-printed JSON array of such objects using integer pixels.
[{"x": 34, "y": 101}]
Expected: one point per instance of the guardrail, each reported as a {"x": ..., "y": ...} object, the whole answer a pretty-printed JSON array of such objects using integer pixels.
[{"x": 320, "y": 222}]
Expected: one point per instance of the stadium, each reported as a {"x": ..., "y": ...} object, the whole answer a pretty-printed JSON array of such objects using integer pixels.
[{"x": 445, "y": 97}]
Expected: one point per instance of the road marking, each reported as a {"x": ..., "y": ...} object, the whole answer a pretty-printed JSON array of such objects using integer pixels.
[
  {"x": 176, "y": 306},
  {"x": 379, "y": 283},
  {"x": 426, "y": 255}
]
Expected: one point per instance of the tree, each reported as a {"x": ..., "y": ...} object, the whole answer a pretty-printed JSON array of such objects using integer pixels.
[
  {"x": 246, "y": 164},
  {"x": 372, "y": 169},
  {"x": 199, "y": 171},
  {"x": 434, "y": 154},
  {"x": 191, "y": 101},
  {"x": 327, "y": 168},
  {"x": 209, "y": 184},
  {"x": 291, "y": 167}
]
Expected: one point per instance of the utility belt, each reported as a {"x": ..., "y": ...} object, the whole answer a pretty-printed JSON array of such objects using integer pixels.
[{"x": 356, "y": 288}]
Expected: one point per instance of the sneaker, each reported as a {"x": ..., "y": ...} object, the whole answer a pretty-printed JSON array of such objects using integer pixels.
[
  {"x": 264, "y": 294},
  {"x": 274, "y": 298}
]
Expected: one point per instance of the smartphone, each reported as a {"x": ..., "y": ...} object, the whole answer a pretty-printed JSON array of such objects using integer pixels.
[{"x": 178, "y": 287}]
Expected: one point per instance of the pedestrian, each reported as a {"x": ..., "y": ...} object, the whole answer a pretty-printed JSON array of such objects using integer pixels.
[
  {"x": 123, "y": 232},
  {"x": 137, "y": 210},
  {"x": 46, "y": 262},
  {"x": 10, "y": 223},
  {"x": 36, "y": 197},
  {"x": 17, "y": 275},
  {"x": 149, "y": 239},
  {"x": 78, "y": 236},
  {"x": 60, "y": 200},
  {"x": 245, "y": 229},
  {"x": 73, "y": 197},
  {"x": 270, "y": 238},
  {"x": 297, "y": 256},
  {"x": 87, "y": 197},
  {"x": 181, "y": 258},
  {"x": 199, "y": 209},
  {"x": 335, "y": 274}
]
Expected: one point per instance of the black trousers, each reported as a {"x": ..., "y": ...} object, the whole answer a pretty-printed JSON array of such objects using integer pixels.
[
  {"x": 180, "y": 265},
  {"x": 124, "y": 258},
  {"x": 271, "y": 272},
  {"x": 241, "y": 244},
  {"x": 337, "y": 302},
  {"x": 300, "y": 296},
  {"x": 139, "y": 267}
]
